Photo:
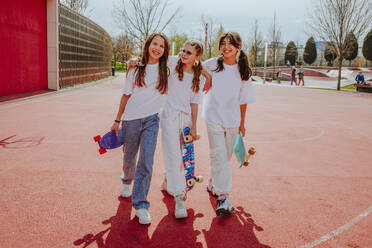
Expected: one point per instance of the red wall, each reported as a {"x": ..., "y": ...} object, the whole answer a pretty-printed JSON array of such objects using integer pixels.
[{"x": 23, "y": 46}]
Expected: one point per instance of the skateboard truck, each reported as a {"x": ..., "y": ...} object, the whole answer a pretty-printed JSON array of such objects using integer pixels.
[
  {"x": 251, "y": 152},
  {"x": 190, "y": 182}
]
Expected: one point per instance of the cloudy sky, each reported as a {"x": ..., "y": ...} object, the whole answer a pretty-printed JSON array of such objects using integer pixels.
[{"x": 234, "y": 15}]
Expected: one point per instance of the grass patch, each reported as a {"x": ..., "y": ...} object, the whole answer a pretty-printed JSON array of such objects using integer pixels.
[{"x": 349, "y": 87}]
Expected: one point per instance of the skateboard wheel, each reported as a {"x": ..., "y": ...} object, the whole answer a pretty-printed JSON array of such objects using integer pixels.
[
  {"x": 190, "y": 182},
  {"x": 246, "y": 163},
  {"x": 97, "y": 138},
  {"x": 102, "y": 151},
  {"x": 199, "y": 179},
  {"x": 187, "y": 139},
  {"x": 252, "y": 151}
]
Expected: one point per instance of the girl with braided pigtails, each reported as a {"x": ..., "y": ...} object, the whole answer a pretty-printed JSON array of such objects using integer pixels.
[
  {"x": 185, "y": 86},
  {"x": 224, "y": 109}
]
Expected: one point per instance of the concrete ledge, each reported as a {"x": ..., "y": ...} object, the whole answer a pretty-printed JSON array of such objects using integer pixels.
[{"x": 364, "y": 88}]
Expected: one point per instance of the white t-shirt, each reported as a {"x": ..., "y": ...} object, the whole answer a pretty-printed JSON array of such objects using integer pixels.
[
  {"x": 222, "y": 102},
  {"x": 146, "y": 100},
  {"x": 180, "y": 94}
]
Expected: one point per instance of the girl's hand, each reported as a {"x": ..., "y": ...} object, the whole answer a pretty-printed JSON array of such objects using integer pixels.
[
  {"x": 208, "y": 81},
  {"x": 242, "y": 130},
  {"x": 193, "y": 133},
  {"x": 207, "y": 86},
  {"x": 115, "y": 127}
]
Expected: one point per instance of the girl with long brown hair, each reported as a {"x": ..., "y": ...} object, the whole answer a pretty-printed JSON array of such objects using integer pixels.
[
  {"x": 140, "y": 104},
  {"x": 224, "y": 109}
]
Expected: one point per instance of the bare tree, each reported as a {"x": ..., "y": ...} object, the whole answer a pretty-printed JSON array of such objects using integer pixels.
[
  {"x": 211, "y": 33},
  {"x": 275, "y": 35},
  {"x": 79, "y": 6},
  {"x": 256, "y": 42},
  {"x": 140, "y": 18},
  {"x": 122, "y": 48},
  {"x": 332, "y": 20}
]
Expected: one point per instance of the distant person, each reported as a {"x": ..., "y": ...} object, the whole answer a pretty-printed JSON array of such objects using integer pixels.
[
  {"x": 278, "y": 76},
  {"x": 293, "y": 76},
  {"x": 359, "y": 78},
  {"x": 301, "y": 73}
]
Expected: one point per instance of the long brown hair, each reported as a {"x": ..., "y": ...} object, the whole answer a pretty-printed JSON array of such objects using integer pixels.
[
  {"x": 162, "y": 86},
  {"x": 197, "y": 67},
  {"x": 243, "y": 62}
]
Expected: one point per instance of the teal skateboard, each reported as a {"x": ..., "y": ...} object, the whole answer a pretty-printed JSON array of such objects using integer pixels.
[{"x": 242, "y": 155}]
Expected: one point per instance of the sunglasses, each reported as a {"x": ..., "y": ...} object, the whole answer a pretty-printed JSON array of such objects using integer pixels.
[{"x": 188, "y": 53}]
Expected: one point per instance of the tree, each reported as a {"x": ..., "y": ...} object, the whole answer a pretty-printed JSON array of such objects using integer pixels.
[
  {"x": 332, "y": 20},
  {"x": 79, "y": 6},
  {"x": 367, "y": 46},
  {"x": 351, "y": 47},
  {"x": 256, "y": 42},
  {"x": 140, "y": 18},
  {"x": 330, "y": 53},
  {"x": 178, "y": 40},
  {"x": 211, "y": 33},
  {"x": 274, "y": 34},
  {"x": 215, "y": 48},
  {"x": 310, "y": 54},
  {"x": 291, "y": 53},
  {"x": 122, "y": 48}
]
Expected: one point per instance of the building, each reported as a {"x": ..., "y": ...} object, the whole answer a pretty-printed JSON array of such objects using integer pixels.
[{"x": 45, "y": 45}]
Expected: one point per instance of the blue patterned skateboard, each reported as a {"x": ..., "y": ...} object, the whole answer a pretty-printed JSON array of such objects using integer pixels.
[
  {"x": 109, "y": 140},
  {"x": 188, "y": 158}
]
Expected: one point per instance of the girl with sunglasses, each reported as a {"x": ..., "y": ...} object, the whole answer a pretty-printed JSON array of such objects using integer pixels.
[
  {"x": 185, "y": 86},
  {"x": 142, "y": 99},
  {"x": 224, "y": 109}
]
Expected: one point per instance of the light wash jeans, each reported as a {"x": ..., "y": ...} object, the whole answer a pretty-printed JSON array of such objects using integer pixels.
[
  {"x": 221, "y": 145},
  {"x": 140, "y": 134}
]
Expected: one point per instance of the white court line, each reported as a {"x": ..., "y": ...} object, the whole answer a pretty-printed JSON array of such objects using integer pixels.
[{"x": 339, "y": 230}]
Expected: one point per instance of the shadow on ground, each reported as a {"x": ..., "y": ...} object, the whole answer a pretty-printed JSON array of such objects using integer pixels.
[{"x": 236, "y": 230}]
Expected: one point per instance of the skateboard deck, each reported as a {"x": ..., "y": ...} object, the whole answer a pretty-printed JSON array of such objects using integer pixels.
[
  {"x": 241, "y": 154},
  {"x": 188, "y": 159},
  {"x": 109, "y": 140}
]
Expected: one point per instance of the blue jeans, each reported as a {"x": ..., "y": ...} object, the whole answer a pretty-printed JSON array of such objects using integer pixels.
[{"x": 139, "y": 134}]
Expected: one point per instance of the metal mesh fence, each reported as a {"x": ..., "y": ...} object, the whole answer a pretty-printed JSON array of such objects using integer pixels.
[{"x": 85, "y": 49}]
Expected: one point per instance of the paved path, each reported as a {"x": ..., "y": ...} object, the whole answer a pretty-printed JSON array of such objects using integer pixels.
[{"x": 310, "y": 183}]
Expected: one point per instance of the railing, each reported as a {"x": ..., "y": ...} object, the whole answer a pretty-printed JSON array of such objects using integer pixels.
[{"x": 85, "y": 49}]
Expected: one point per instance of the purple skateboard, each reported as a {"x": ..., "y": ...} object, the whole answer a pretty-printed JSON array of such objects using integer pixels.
[{"x": 109, "y": 141}]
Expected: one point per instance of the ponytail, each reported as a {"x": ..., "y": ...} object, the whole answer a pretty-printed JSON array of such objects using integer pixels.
[
  {"x": 219, "y": 64},
  {"x": 243, "y": 65},
  {"x": 179, "y": 69},
  {"x": 196, "y": 80}
]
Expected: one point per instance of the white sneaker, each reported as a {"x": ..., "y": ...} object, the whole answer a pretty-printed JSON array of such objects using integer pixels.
[
  {"x": 143, "y": 215},
  {"x": 180, "y": 210},
  {"x": 125, "y": 190},
  {"x": 224, "y": 206},
  {"x": 211, "y": 189}
]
